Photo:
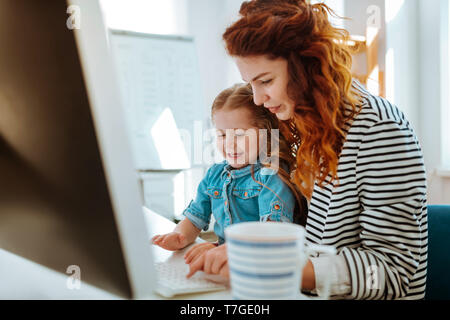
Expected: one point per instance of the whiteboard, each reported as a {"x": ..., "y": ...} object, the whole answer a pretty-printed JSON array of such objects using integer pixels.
[{"x": 160, "y": 85}]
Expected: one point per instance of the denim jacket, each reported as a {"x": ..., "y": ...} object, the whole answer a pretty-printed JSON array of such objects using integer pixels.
[{"x": 232, "y": 196}]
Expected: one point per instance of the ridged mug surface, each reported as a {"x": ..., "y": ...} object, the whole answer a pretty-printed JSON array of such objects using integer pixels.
[{"x": 265, "y": 260}]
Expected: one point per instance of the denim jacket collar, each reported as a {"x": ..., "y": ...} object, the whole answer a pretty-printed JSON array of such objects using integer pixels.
[{"x": 237, "y": 173}]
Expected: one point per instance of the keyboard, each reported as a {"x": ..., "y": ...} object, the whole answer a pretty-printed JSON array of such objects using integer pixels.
[{"x": 171, "y": 279}]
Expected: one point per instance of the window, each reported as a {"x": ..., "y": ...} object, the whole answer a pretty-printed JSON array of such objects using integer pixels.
[{"x": 149, "y": 16}]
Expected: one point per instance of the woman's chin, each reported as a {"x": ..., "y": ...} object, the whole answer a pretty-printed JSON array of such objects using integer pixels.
[
  {"x": 285, "y": 113},
  {"x": 283, "y": 116}
]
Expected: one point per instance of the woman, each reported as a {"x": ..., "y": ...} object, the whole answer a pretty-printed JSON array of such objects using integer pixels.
[{"x": 358, "y": 159}]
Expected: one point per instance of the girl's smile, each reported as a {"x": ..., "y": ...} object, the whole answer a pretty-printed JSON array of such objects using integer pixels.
[{"x": 236, "y": 136}]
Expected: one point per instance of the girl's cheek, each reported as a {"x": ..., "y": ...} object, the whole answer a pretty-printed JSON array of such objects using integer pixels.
[
  {"x": 244, "y": 145},
  {"x": 220, "y": 145}
]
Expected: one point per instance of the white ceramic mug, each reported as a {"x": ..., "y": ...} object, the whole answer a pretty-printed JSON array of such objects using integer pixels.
[{"x": 266, "y": 260}]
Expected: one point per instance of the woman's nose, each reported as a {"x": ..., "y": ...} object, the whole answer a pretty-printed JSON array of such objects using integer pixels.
[{"x": 259, "y": 97}]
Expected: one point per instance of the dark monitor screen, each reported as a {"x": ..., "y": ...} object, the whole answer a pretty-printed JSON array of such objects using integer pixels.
[{"x": 55, "y": 207}]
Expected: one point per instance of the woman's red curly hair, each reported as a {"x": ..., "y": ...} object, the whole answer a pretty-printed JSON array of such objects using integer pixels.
[{"x": 320, "y": 80}]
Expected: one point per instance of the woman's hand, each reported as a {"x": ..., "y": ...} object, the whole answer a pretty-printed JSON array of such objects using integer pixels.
[
  {"x": 171, "y": 241},
  {"x": 196, "y": 250},
  {"x": 214, "y": 260},
  {"x": 308, "y": 277},
  {"x": 211, "y": 261}
]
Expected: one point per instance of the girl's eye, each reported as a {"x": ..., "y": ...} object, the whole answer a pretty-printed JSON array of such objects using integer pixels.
[{"x": 266, "y": 81}]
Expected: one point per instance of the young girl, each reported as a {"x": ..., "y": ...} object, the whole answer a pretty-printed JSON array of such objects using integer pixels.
[{"x": 243, "y": 187}]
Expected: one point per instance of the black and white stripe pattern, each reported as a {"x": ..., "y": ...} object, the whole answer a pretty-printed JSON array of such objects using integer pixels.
[{"x": 376, "y": 215}]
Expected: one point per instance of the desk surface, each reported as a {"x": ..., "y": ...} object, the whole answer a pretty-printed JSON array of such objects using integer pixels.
[{"x": 25, "y": 279}]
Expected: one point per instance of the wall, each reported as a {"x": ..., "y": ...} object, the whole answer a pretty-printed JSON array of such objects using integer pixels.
[
  {"x": 434, "y": 94},
  {"x": 362, "y": 13},
  {"x": 415, "y": 59},
  {"x": 205, "y": 20},
  {"x": 402, "y": 58},
  {"x": 150, "y": 16}
]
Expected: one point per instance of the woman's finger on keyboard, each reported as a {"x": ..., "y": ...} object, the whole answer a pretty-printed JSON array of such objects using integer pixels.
[
  {"x": 197, "y": 250},
  {"x": 225, "y": 271},
  {"x": 191, "y": 253},
  {"x": 215, "y": 259},
  {"x": 196, "y": 265},
  {"x": 217, "y": 278},
  {"x": 217, "y": 264}
]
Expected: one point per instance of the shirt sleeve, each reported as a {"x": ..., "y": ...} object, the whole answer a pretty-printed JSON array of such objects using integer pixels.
[
  {"x": 199, "y": 210},
  {"x": 335, "y": 270},
  {"x": 276, "y": 201},
  {"x": 391, "y": 186}
]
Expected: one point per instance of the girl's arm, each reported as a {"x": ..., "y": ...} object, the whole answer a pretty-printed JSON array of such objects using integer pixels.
[
  {"x": 197, "y": 217},
  {"x": 183, "y": 235},
  {"x": 188, "y": 230}
]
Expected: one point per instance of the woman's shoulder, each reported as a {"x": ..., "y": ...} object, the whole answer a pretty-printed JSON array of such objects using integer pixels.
[
  {"x": 375, "y": 109},
  {"x": 378, "y": 125}
]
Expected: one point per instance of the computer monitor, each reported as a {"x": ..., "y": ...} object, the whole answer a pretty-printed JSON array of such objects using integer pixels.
[{"x": 69, "y": 194}]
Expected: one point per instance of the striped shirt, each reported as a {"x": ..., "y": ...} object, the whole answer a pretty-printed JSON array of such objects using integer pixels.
[{"x": 376, "y": 214}]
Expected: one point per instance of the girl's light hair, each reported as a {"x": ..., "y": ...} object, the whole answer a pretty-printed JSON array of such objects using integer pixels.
[{"x": 240, "y": 96}]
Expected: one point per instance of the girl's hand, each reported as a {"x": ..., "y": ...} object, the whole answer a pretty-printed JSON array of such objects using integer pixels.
[
  {"x": 197, "y": 250},
  {"x": 171, "y": 241}
]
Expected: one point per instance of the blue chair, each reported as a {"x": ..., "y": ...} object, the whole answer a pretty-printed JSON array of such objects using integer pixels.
[{"x": 438, "y": 270}]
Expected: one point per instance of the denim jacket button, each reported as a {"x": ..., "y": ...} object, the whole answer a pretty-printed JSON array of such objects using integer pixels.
[
  {"x": 277, "y": 207},
  {"x": 216, "y": 193},
  {"x": 246, "y": 194}
]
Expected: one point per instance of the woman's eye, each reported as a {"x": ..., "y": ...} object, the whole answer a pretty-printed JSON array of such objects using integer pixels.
[{"x": 266, "y": 81}]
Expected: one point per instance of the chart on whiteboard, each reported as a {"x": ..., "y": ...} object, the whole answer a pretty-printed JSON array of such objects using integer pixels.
[{"x": 161, "y": 91}]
